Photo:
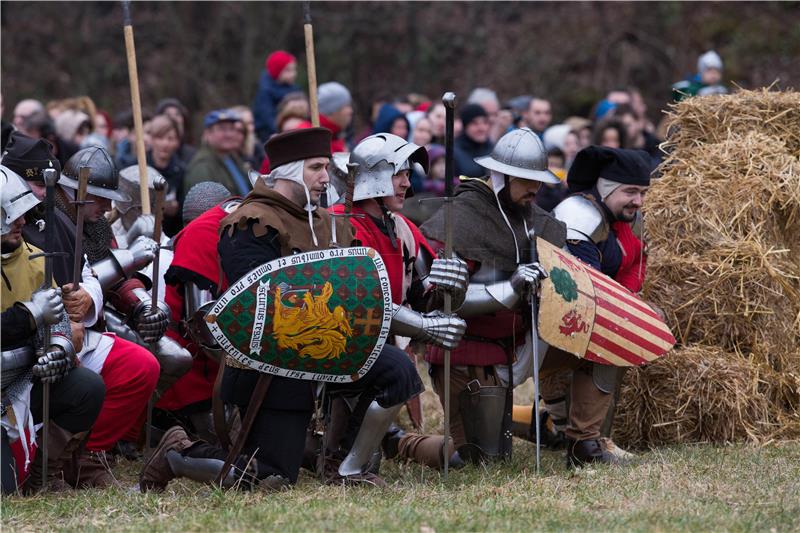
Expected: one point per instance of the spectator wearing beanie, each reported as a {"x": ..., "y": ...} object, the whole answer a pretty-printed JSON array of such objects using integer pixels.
[
  {"x": 335, "y": 112},
  {"x": 277, "y": 80},
  {"x": 473, "y": 141}
]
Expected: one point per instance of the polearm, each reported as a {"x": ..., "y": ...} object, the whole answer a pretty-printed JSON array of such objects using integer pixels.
[
  {"x": 80, "y": 201},
  {"x": 350, "y": 186},
  {"x": 136, "y": 105},
  {"x": 308, "y": 30},
  {"x": 160, "y": 188},
  {"x": 50, "y": 180},
  {"x": 534, "y": 258},
  {"x": 449, "y": 101}
]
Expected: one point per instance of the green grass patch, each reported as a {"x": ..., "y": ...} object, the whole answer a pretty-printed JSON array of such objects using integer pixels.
[{"x": 695, "y": 488}]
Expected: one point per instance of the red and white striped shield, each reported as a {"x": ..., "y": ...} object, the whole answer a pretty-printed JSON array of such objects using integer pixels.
[{"x": 586, "y": 313}]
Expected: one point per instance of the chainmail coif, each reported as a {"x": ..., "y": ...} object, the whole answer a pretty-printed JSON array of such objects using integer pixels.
[{"x": 97, "y": 236}]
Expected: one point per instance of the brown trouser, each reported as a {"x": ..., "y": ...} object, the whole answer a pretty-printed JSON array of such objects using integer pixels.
[{"x": 588, "y": 405}]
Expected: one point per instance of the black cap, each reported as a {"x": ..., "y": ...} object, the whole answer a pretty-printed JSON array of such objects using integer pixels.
[
  {"x": 28, "y": 157},
  {"x": 631, "y": 167},
  {"x": 300, "y": 144},
  {"x": 470, "y": 112}
]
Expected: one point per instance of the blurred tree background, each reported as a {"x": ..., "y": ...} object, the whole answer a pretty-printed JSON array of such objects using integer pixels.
[{"x": 210, "y": 54}]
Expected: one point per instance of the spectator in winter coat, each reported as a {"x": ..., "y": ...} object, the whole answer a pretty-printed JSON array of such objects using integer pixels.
[
  {"x": 609, "y": 132},
  {"x": 335, "y": 112},
  {"x": 174, "y": 109},
  {"x": 277, "y": 80},
  {"x": 163, "y": 156},
  {"x": 391, "y": 120},
  {"x": 539, "y": 115},
  {"x": 219, "y": 160},
  {"x": 473, "y": 141}
]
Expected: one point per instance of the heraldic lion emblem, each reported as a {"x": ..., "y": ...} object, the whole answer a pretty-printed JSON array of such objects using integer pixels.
[{"x": 311, "y": 328}]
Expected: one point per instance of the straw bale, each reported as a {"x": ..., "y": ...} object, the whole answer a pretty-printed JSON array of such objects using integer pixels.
[
  {"x": 709, "y": 119},
  {"x": 702, "y": 394},
  {"x": 723, "y": 231}
]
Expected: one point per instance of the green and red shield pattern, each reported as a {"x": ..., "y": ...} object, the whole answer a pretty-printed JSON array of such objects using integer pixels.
[{"x": 332, "y": 318}]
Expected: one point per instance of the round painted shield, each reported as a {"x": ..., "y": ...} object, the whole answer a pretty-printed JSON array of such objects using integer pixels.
[{"x": 321, "y": 315}]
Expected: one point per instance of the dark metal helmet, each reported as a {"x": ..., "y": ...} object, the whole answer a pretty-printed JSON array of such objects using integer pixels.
[
  {"x": 129, "y": 186},
  {"x": 380, "y": 157},
  {"x": 103, "y": 176},
  {"x": 519, "y": 154}
]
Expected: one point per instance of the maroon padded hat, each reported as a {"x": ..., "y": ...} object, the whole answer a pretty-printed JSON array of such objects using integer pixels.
[{"x": 299, "y": 144}]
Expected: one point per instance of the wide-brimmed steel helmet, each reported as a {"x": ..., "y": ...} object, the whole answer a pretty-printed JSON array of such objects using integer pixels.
[{"x": 519, "y": 154}]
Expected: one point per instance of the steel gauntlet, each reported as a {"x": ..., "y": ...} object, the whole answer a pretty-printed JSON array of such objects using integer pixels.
[
  {"x": 151, "y": 325},
  {"x": 55, "y": 360},
  {"x": 451, "y": 276},
  {"x": 46, "y": 307},
  {"x": 431, "y": 328}
]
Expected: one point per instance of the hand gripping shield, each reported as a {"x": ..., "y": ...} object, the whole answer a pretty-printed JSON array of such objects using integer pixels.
[{"x": 322, "y": 315}]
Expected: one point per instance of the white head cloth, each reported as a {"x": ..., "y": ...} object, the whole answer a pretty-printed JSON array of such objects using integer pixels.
[
  {"x": 605, "y": 187},
  {"x": 293, "y": 171}
]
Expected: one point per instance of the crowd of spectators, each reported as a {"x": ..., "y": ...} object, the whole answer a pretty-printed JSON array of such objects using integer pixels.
[{"x": 231, "y": 143}]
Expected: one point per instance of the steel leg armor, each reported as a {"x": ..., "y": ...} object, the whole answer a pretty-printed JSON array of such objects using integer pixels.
[
  {"x": 373, "y": 428},
  {"x": 482, "y": 411}
]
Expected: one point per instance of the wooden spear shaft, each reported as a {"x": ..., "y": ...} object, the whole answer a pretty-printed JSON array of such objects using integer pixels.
[
  {"x": 312, "y": 65},
  {"x": 136, "y": 104}
]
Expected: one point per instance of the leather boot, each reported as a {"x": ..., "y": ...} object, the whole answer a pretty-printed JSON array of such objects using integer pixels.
[
  {"x": 391, "y": 441},
  {"x": 583, "y": 452},
  {"x": 61, "y": 446},
  {"x": 90, "y": 470},
  {"x": 157, "y": 473}
]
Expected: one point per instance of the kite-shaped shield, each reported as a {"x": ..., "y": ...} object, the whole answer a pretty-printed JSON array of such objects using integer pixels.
[
  {"x": 321, "y": 315},
  {"x": 586, "y": 313}
]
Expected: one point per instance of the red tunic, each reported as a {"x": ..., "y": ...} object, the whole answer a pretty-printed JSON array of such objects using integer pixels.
[
  {"x": 195, "y": 250},
  {"x": 370, "y": 235},
  {"x": 634, "y": 261}
]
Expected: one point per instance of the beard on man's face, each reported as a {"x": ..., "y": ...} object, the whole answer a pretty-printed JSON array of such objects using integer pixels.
[
  {"x": 9, "y": 245},
  {"x": 509, "y": 206}
]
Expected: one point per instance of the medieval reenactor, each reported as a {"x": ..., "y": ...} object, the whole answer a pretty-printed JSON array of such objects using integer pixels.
[
  {"x": 175, "y": 361},
  {"x": 492, "y": 220},
  {"x": 29, "y": 307},
  {"x": 192, "y": 284},
  {"x": 129, "y": 371},
  {"x": 604, "y": 230},
  {"x": 269, "y": 224},
  {"x": 381, "y": 186}
]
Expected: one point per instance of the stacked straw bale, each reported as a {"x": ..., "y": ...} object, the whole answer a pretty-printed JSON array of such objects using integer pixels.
[{"x": 723, "y": 230}]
